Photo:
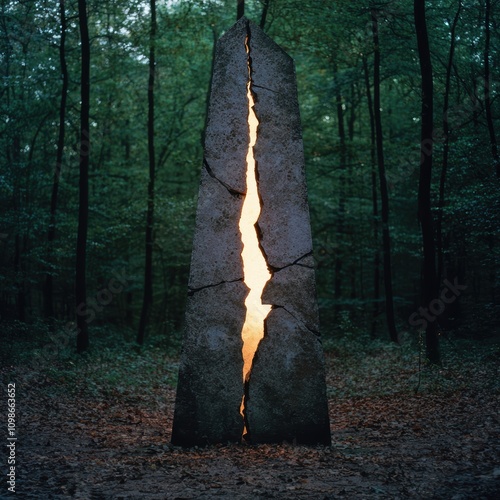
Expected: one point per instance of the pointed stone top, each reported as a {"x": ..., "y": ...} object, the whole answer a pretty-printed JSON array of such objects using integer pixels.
[{"x": 250, "y": 28}]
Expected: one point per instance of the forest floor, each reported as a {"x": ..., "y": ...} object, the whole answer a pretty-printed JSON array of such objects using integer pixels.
[{"x": 98, "y": 427}]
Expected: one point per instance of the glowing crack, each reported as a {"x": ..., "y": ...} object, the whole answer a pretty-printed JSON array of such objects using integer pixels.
[{"x": 256, "y": 272}]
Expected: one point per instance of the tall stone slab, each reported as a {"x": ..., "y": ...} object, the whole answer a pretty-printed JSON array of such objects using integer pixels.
[
  {"x": 285, "y": 394},
  {"x": 210, "y": 385}
]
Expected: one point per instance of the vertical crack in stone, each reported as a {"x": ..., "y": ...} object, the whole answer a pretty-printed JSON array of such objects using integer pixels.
[{"x": 255, "y": 268}]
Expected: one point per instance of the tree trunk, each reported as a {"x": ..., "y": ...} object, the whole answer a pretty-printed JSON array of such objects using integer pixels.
[
  {"x": 352, "y": 116},
  {"x": 487, "y": 90},
  {"x": 493, "y": 270},
  {"x": 215, "y": 36},
  {"x": 446, "y": 148},
  {"x": 384, "y": 194},
  {"x": 350, "y": 120},
  {"x": 240, "y": 9},
  {"x": 19, "y": 270},
  {"x": 48, "y": 291},
  {"x": 263, "y": 17},
  {"x": 341, "y": 209},
  {"x": 129, "y": 310},
  {"x": 376, "y": 257},
  {"x": 429, "y": 283},
  {"x": 148, "y": 271},
  {"x": 19, "y": 275},
  {"x": 83, "y": 209}
]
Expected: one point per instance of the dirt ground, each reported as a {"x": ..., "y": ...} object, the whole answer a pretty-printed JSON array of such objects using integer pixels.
[{"x": 436, "y": 445}]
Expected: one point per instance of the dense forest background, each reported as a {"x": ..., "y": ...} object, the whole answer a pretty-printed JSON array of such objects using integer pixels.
[{"x": 359, "y": 70}]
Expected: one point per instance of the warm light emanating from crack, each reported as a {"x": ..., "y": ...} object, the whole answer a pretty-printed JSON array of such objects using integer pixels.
[{"x": 256, "y": 273}]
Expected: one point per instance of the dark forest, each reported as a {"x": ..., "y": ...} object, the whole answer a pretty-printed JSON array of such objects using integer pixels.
[{"x": 103, "y": 108}]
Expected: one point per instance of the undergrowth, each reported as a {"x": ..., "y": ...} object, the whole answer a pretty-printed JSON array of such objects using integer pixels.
[
  {"x": 357, "y": 365},
  {"x": 114, "y": 365}
]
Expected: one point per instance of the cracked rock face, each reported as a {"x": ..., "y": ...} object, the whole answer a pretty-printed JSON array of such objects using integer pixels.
[
  {"x": 293, "y": 287},
  {"x": 210, "y": 387},
  {"x": 285, "y": 395},
  {"x": 217, "y": 246},
  {"x": 226, "y": 134},
  {"x": 284, "y": 219}
]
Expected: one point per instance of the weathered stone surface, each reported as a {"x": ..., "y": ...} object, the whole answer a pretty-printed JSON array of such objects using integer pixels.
[
  {"x": 286, "y": 390},
  {"x": 217, "y": 245},
  {"x": 284, "y": 219},
  {"x": 226, "y": 135},
  {"x": 210, "y": 387},
  {"x": 286, "y": 393},
  {"x": 294, "y": 288}
]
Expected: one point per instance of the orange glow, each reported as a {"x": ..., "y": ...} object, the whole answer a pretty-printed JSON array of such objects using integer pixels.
[{"x": 256, "y": 273}]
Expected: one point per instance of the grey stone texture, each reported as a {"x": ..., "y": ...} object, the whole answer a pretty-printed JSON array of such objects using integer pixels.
[
  {"x": 217, "y": 246},
  {"x": 285, "y": 396},
  {"x": 293, "y": 288},
  {"x": 284, "y": 219},
  {"x": 226, "y": 134},
  {"x": 210, "y": 387},
  {"x": 286, "y": 393}
]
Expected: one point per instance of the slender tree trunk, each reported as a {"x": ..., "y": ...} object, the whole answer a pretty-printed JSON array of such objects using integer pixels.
[
  {"x": 240, "y": 9},
  {"x": 493, "y": 270},
  {"x": 475, "y": 113},
  {"x": 350, "y": 120},
  {"x": 446, "y": 147},
  {"x": 341, "y": 208},
  {"x": 487, "y": 90},
  {"x": 13, "y": 153},
  {"x": 129, "y": 310},
  {"x": 18, "y": 269},
  {"x": 18, "y": 206},
  {"x": 352, "y": 115},
  {"x": 28, "y": 190},
  {"x": 384, "y": 194},
  {"x": 376, "y": 257},
  {"x": 82, "y": 342},
  {"x": 429, "y": 282},
  {"x": 263, "y": 17},
  {"x": 493, "y": 141},
  {"x": 209, "y": 89},
  {"x": 21, "y": 300},
  {"x": 148, "y": 271},
  {"x": 48, "y": 291}
]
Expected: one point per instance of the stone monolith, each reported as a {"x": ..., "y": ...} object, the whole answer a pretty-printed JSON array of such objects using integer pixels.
[{"x": 284, "y": 396}]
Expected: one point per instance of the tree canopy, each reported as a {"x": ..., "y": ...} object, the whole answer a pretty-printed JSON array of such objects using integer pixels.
[{"x": 332, "y": 44}]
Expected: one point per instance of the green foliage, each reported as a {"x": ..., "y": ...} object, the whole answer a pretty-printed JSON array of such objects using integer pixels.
[
  {"x": 328, "y": 41},
  {"x": 357, "y": 366},
  {"x": 362, "y": 367},
  {"x": 113, "y": 366}
]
